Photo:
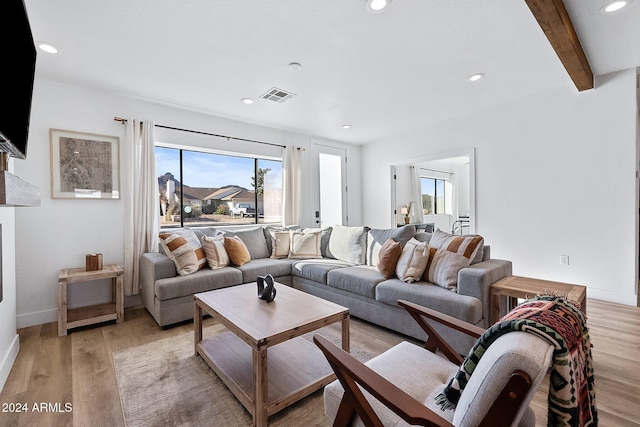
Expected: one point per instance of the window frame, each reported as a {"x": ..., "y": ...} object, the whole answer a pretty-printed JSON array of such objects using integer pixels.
[
  {"x": 256, "y": 159},
  {"x": 436, "y": 195}
]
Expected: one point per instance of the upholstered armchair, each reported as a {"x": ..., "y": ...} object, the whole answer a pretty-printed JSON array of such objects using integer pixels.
[{"x": 400, "y": 386}]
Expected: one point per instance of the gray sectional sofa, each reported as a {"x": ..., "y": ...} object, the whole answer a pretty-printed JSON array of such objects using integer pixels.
[{"x": 353, "y": 283}]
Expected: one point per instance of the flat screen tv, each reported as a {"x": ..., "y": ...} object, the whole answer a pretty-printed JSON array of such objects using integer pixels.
[{"x": 16, "y": 41}]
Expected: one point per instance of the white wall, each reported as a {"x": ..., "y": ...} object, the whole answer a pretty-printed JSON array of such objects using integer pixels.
[
  {"x": 59, "y": 233},
  {"x": 9, "y": 339},
  {"x": 555, "y": 175}
]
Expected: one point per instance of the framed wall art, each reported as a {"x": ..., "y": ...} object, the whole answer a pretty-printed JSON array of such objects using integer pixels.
[{"x": 84, "y": 165}]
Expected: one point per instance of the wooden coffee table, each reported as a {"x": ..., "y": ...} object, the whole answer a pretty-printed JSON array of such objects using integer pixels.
[
  {"x": 294, "y": 368},
  {"x": 514, "y": 287}
]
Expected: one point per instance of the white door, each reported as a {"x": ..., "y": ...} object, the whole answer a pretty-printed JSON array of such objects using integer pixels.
[{"x": 331, "y": 200}]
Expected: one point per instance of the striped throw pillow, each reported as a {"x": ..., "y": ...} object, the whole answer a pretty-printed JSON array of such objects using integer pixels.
[
  {"x": 448, "y": 254},
  {"x": 185, "y": 252}
]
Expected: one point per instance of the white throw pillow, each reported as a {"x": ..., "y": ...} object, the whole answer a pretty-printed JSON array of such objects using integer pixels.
[{"x": 347, "y": 243}]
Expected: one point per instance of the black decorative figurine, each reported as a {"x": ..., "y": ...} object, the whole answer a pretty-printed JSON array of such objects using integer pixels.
[{"x": 268, "y": 292}]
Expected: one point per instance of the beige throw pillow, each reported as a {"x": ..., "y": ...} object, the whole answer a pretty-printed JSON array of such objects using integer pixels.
[
  {"x": 305, "y": 244},
  {"x": 412, "y": 261},
  {"x": 188, "y": 256},
  {"x": 280, "y": 243},
  {"x": 237, "y": 250},
  {"x": 388, "y": 258},
  {"x": 217, "y": 256},
  {"x": 449, "y": 254}
]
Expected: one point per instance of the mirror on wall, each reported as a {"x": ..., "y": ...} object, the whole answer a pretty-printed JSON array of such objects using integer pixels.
[{"x": 435, "y": 192}]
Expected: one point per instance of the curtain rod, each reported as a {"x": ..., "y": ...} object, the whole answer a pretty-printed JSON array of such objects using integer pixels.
[
  {"x": 124, "y": 121},
  {"x": 434, "y": 170}
]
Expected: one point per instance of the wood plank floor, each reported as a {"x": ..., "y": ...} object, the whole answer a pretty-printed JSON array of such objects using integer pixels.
[{"x": 77, "y": 369}]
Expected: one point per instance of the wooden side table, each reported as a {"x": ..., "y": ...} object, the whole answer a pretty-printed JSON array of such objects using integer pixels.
[
  {"x": 514, "y": 287},
  {"x": 114, "y": 310}
]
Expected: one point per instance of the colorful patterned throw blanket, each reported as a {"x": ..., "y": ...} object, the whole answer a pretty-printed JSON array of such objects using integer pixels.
[{"x": 572, "y": 400}]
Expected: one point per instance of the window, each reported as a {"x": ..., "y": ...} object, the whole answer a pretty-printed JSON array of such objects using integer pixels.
[
  {"x": 205, "y": 189},
  {"x": 433, "y": 195}
]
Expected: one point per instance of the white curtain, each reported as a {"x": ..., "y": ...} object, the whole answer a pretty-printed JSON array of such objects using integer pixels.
[
  {"x": 142, "y": 206},
  {"x": 416, "y": 216},
  {"x": 292, "y": 186}
]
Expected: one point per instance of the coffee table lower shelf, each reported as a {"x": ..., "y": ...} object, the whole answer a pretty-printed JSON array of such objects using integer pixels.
[{"x": 296, "y": 369}]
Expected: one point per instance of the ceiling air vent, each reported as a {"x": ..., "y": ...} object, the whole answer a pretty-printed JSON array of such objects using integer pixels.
[{"x": 277, "y": 95}]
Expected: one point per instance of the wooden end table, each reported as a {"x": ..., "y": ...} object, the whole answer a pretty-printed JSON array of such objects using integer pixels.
[
  {"x": 295, "y": 367},
  {"x": 514, "y": 287},
  {"x": 74, "y": 318}
]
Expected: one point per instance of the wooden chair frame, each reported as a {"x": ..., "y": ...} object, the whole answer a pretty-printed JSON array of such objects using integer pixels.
[{"x": 351, "y": 373}]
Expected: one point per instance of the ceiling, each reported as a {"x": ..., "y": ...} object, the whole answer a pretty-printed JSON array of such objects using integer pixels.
[{"x": 383, "y": 73}]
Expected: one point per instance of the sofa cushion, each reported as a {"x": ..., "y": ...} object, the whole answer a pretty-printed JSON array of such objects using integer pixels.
[
  {"x": 448, "y": 254},
  {"x": 413, "y": 260},
  {"x": 377, "y": 237},
  {"x": 359, "y": 279},
  {"x": 200, "y": 281},
  {"x": 254, "y": 240},
  {"x": 423, "y": 236},
  {"x": 263, "y": 266},
  {"x": 184, "y": 250},
  {"x": 432, "y": 296},
  {"x": 237, "y": 250},
  {"x": 200, "y": 232},
  {"x": 388, "y": 258},
  {"x": 317, "y": 269},
  {"x": 215, "y": 252},
  {"x": 347, "y": 244}
]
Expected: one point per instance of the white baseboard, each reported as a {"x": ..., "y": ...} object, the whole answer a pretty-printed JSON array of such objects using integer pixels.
[
  {"x": 616, "y": 297},
  {"x": 36, "y": 318},
  {"x": 41, "y": 317},
  {"x": 8, "y": 359}
]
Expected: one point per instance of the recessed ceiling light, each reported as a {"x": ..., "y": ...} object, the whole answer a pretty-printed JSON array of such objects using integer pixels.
[
  {"x": 346, "y": 126},
  {"x": 48, "y": 47},
  {"x": 376, "y": 6},
  {"x": 475, "y": 77},
  {"x": 614, "y": 6},
  {"x": 295, "y": 66},
  {"x": 247, "y": 101}
]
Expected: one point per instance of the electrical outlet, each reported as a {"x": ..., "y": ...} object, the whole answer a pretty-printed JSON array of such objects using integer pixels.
[{"x": 564, "y": 259}]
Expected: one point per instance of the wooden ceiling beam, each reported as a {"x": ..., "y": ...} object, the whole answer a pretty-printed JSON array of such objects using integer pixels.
[{"x": 556, "y": 24}]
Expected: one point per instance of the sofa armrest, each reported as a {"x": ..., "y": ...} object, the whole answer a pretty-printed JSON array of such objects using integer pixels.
[
  {"x": 476, "y": 281},
  {"x": 154, "y": 266}
]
